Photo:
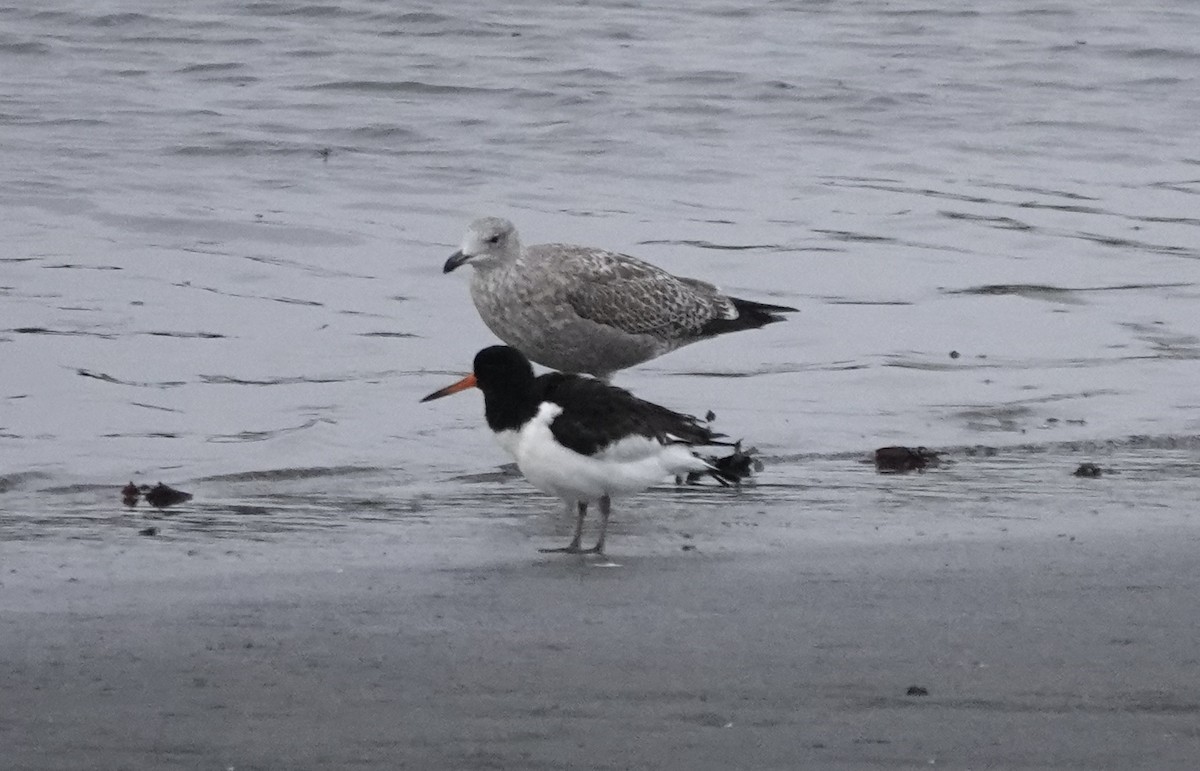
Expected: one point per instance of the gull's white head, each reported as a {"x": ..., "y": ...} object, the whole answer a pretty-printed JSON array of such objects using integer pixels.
[{"x": 489, "y": 242}]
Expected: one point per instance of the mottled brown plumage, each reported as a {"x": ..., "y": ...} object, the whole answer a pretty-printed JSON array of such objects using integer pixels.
[{"x": 586, "y": 310}]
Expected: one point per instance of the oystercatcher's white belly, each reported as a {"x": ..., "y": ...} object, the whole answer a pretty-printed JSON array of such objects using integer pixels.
[{"x": 625, "y": 467}]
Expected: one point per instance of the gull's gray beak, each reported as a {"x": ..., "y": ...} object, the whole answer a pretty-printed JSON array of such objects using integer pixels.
[{"x": 457, "y": 259}]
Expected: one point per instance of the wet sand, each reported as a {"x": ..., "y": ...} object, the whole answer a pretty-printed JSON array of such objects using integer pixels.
[{"x": 1042, "y": 643}]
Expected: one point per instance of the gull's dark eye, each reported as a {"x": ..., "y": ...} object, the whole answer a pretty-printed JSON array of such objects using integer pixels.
[{"x": 494, "y": 239}]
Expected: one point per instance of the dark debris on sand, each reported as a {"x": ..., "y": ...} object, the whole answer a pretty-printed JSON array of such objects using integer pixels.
[
  {"x": 160, "y": 496},
  {"x": 730, "y": 470},
  {"x": 897, "y": 460}
]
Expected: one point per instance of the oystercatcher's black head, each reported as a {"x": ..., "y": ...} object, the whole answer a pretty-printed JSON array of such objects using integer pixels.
[
  {"x": 499, "y": 369},
  {"x": 510, "y": 392},
  {"x": 502, "y": 368}
]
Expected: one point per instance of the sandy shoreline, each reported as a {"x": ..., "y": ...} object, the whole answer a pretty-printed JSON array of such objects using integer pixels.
[{"x": 1039, "y": 649}]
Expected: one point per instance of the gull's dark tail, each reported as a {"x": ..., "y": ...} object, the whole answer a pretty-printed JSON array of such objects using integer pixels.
[{"x": 751, "y": 315}]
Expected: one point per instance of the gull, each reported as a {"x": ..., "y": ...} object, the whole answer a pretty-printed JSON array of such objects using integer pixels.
[{"x": 584, "y": 310}]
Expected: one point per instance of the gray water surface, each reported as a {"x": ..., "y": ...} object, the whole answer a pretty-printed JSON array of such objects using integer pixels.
[{"x": 224, "y": 226}]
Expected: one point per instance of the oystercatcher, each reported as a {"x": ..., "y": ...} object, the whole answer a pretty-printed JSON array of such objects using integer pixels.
[
  {"x": 586, "y": 310},
  {"x": 583, "y": 440}
]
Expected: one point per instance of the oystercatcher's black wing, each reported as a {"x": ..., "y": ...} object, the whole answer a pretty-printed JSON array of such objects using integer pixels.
[{"x": 596, "y": 415}]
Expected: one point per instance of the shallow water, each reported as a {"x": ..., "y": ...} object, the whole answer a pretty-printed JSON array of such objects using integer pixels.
[{"x": 224, "y": 230}]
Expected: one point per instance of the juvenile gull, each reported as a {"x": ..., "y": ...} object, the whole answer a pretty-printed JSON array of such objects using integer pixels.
[
  {"x": 586, "y": 310},
  {"x": 584, "y": 440}
]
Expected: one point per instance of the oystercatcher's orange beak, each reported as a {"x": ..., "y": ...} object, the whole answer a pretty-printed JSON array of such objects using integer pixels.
[{"x": 462, "y": 385}]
